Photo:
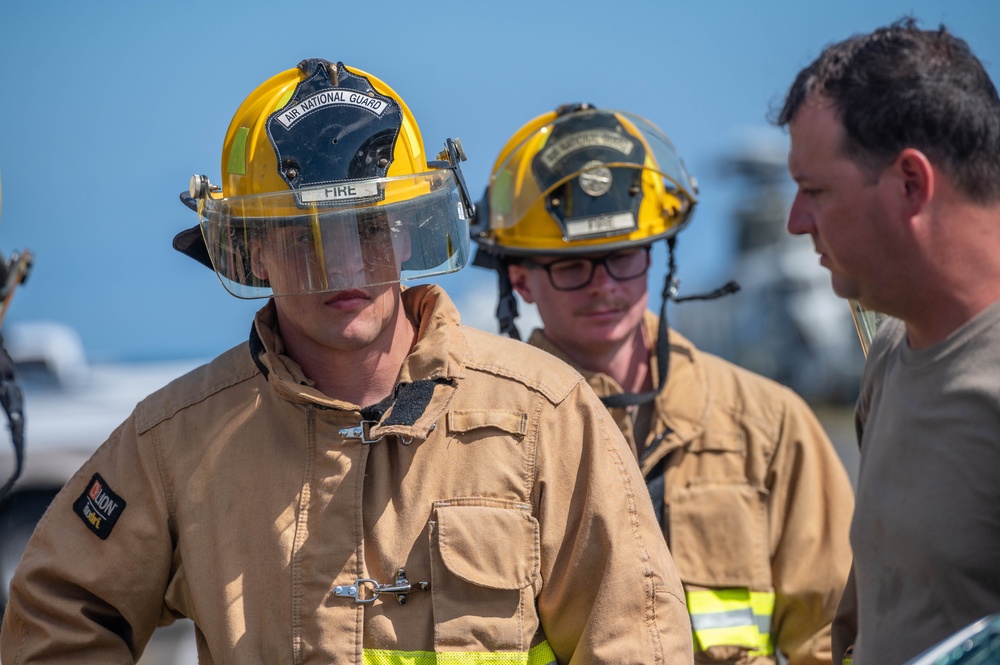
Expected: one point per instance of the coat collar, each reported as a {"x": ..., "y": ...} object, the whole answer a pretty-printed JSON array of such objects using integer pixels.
[{"x": 436, "y": 357}]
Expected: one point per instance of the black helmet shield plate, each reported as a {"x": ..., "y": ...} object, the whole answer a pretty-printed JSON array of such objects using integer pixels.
[
  {"x": 335, "y": 130},
  {"x": 596, "y": 201}
]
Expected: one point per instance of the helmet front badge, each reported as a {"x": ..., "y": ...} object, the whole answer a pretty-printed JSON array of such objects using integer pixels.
[{"x": 595, "y": 178}]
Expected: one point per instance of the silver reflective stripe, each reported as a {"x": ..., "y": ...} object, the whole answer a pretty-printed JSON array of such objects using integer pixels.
[{"x": 729, "y": 619}]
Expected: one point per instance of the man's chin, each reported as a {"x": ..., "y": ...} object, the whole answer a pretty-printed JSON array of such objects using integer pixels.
[
  {"x": 844, "y": 288},
  {"x": 602, "y": 335}
]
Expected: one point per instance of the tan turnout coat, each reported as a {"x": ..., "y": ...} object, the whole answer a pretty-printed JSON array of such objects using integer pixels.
[
  {"x": 755, "y": 496},
  {"x": 496, "y": 477}
]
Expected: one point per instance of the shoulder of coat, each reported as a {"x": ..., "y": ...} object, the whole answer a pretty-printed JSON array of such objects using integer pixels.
[
  {"x": 519, "y": 362},
  {"x": 747, "y": 392},
  {"x": 228, "y": 369}
]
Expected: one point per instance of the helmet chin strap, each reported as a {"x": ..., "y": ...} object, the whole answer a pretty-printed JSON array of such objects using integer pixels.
[
  {"x": 506, "y": 310},
  {"x": 12, "y": 401},
  {"x": 506, "y": 304}
]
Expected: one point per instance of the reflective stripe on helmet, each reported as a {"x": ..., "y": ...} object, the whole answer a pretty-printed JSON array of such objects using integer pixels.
[
  {"x": 541, "y": 654},
  {"x": 732, "y": 617}
]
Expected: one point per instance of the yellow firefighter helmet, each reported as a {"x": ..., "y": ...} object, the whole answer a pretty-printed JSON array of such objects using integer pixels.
[
  {"x": 581, "y": 179},
  {"x": 326, "y": 186}
]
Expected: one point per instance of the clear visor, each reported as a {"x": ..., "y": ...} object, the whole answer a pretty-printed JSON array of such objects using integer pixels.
[
  {"x": 341, "y": 236},
  {"x": 514, "y": 190}
]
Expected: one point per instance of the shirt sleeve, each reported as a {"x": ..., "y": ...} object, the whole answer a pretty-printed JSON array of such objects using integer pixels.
[{"x": 810, "y": 512}]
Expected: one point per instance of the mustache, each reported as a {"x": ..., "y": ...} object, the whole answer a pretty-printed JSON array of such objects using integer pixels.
[{"x": 603, "y": 305}]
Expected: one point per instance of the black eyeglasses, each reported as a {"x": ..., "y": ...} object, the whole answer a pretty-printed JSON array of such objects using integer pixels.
[{"x": 575, "y": 273}]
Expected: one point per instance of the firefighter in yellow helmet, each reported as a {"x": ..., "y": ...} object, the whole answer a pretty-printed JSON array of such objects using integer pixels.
[
  {"x": 364, "y": 480},
  {"x": 752, "y": 498}
]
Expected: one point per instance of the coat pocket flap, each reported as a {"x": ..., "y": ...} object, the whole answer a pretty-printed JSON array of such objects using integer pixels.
[
  {"x": 512, "y": 422},
  {"x": 722, "y": 442},
  {"x": 491, "y": 547}
]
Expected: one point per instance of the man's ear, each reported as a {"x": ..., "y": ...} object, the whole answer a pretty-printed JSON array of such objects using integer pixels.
[
  {"x": 918, "y": 178},
  {"x": 518, "y": 275},
  {"x": 257, "y": 260}
]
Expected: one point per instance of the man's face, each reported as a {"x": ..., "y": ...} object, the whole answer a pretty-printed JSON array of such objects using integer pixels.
[
  {"x": 843, "y": 207},
  {"x": 589, "y": 320},
  {"x": 348, "y": 314}
]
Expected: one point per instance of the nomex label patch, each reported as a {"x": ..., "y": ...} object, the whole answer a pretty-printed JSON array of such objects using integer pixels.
[{"x": 99, "y": 507}]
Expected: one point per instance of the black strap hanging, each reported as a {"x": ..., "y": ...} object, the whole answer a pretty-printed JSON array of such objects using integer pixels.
[
  {"x": 662, "y": 340},
  {"x": 12, "y": 400},
  {"x": 662, "y": 333},
  {"x": 506, "y": 305}
]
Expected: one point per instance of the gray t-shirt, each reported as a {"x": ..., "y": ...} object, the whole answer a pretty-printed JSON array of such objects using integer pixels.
[{"x": 926, "y": 530}]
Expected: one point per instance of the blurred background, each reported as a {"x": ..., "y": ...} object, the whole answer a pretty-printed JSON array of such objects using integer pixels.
[{"x": 109, "y": 108}]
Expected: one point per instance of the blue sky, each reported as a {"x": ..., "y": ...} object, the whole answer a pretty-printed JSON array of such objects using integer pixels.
[{"x": 109, "y": 107}]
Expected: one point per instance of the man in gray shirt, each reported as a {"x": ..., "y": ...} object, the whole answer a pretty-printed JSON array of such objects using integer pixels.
[{"x": 895, "y": 147}]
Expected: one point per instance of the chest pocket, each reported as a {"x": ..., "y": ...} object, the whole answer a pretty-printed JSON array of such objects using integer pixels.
[
  {"x": 485, "y": 563},
  {"x": 717, "y": 521},
  {"x": 718, "y": 535}
]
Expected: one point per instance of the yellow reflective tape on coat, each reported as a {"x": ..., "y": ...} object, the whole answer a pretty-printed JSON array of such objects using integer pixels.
[
  {"x": 538, "y": 655},
  {"x": 732, "y": 617}
]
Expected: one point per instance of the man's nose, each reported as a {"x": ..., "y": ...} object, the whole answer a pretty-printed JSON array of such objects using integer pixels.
[
  {"x": 345, "y": 264},
  {"x": 799, "y": 219}
]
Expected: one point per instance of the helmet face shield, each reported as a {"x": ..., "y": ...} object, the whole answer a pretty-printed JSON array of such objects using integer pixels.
[
  {"x": 301, "y": 242},
  {"x": 586, "y": 178}
]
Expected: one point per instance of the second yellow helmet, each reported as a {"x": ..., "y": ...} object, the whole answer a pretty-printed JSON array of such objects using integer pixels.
[{"x": 581, "y": 179}]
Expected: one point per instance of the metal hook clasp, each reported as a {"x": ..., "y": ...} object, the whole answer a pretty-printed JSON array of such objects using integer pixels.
[
  {"x": 401, "y": 588},
  {"x": 672, "y": 287},
  {"x": 362, "y": 432}
]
